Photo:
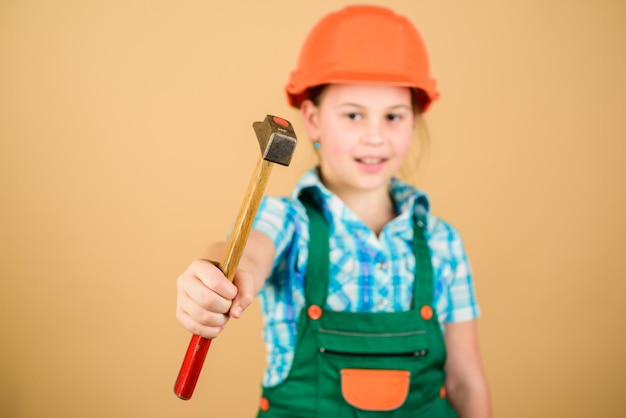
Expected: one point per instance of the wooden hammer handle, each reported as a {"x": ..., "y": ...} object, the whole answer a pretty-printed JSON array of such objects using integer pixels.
[{"x": 199, "y": 346}]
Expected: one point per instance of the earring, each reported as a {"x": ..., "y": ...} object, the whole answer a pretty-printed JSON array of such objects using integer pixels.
[{"x": 317, "y": 145}]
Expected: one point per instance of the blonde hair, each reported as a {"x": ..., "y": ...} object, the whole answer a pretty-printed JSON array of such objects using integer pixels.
[{"x": 410, "y": 170}]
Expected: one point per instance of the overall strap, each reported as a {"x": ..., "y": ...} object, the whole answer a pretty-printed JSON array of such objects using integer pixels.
[
  {"x": 318, "y": 265},
  {"x": 423, "y": 287}
]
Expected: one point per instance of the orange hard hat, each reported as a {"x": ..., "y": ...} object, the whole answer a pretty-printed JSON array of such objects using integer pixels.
[{"x": 363, "y": 45}]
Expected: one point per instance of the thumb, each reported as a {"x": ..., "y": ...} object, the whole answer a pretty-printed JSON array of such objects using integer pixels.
[{"x": 245, "y": 293}]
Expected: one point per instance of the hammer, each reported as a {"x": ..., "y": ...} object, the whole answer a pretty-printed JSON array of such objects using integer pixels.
[{"x": 277, "y": 140}]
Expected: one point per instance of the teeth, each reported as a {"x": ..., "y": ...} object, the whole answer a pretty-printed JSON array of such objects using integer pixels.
[{"x": 371, "y": 160}]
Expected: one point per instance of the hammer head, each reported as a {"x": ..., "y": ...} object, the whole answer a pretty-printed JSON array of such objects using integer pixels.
[{"x": 277, "y": 139}]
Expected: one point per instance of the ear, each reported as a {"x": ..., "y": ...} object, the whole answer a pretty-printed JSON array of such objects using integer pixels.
[{"x": 310, "y": 119}]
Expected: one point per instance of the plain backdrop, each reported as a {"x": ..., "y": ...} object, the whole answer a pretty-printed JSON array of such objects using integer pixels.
[{"x": 126, "y": 146}]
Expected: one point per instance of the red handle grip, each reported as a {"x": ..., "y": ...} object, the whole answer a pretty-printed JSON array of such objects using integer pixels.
[{"x": 191, "y": 367}]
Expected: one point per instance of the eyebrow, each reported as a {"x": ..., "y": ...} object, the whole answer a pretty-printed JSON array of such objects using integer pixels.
[{"x": 398, "y": 106}]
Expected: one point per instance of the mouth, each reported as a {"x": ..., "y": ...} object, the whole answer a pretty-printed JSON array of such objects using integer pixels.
[
  {"x": 371, "y": 165},
  {"x": 371, "y": 160}
]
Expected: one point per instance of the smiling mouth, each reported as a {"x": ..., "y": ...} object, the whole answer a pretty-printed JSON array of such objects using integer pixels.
[{"x": 370, "y": 160}]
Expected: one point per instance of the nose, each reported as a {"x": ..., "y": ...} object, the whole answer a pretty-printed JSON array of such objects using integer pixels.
[{"x": 373, "y": 133}]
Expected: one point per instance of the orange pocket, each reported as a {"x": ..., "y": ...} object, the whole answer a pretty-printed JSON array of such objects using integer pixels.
[{"x": 375, "y": 390}]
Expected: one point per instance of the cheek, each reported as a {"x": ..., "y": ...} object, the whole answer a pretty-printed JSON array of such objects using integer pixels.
[
  {"x": 336, "y": 143},
  {"x": 404, "y": 141},
  {"x": 406, "y": 145},
  {"x": 334, "y": 151}
]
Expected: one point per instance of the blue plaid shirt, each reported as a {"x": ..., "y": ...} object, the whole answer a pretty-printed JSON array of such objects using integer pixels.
[{"x": 369, "y": 273}]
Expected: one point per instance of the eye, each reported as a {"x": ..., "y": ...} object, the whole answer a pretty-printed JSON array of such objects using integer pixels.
[
  {"x": 354, "y": 115},
  {"x": 393, "y": 117}
]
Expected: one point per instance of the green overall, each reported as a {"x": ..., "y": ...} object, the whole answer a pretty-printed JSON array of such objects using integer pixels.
[{"x": 360, "y": 364}]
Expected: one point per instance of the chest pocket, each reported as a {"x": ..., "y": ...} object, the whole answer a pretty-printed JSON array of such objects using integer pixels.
[
  {"x": 371, "y": 358},
  {"x": 375, "y": 390}
]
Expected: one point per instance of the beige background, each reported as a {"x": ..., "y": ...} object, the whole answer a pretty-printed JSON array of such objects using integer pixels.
[{"x": 126, "y": 145}]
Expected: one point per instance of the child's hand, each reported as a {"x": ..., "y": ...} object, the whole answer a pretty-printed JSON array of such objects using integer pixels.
[{"x": 206, "y": 298}]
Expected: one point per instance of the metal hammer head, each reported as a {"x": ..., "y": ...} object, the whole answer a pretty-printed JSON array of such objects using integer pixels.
[{"x": 277, "y": 139}]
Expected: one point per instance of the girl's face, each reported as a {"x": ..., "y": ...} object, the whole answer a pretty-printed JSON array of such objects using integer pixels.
[{"x": 364, "y": 134}]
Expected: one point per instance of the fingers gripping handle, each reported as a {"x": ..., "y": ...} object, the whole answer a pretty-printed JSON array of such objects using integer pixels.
[{"x": 277, "y": 141}]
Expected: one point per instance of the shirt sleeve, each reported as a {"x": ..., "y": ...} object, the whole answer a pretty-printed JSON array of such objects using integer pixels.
[
  {"x": 463, "y": 304},
  {"x": 275, "y": 219},
  {"x": 458, "y": 286}
]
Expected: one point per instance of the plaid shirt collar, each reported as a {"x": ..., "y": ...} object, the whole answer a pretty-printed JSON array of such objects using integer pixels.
[{"x": 407, "y": 198}]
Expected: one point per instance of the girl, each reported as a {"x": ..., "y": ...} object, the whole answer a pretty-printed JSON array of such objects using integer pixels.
[{"x": 367, "y": 297}]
